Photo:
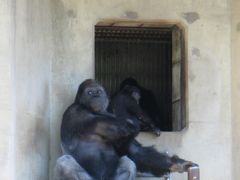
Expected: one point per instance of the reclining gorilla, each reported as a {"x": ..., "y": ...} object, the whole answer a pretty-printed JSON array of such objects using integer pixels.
[{"x": 98, "y": 144}]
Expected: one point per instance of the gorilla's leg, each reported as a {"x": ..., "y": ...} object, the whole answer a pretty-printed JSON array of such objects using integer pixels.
[
  {"x": 147, "y": 159},
  {"x": 67, "y": 168},
  {"x": 126, "y": 169}
]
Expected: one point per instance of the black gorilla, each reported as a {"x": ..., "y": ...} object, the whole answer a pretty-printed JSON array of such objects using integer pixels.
[
  {"x": 95, "y": 142},
  {"x": 125, "y": 104},
  {"x": 147, "y": 101},
  {"x": 89, "y": 133}
]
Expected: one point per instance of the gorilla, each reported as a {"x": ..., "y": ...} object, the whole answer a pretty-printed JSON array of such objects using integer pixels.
[
  {"x": 125, "y": 104},
  {"x": 100, "y": 146},
  {"x": 147, "y": 100},
  {"x": 89, "y": 133}
]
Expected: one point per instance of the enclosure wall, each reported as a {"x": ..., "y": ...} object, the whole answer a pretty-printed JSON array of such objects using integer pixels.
[{"x": 207, "y": 139}]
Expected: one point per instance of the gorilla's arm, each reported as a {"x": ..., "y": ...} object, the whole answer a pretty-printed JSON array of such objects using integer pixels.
[
  {"x": 112, "y": 129},
  {"x": 147, "y": 159},
  {"x": 132, "y": 106},
  {"x": 77, "y": 121},
  {"x": 136, "y": 110}
]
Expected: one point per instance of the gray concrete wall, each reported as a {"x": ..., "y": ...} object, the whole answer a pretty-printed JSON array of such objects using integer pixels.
[
  {"x": 7, "y": 108},
  {"x": 235, "y": 4},
  {"x": 47, "y": 49},
  {"x": 25, "y": 67},
  {"x": 207, "y": 140},
  {"x": 33, "y": 48}
]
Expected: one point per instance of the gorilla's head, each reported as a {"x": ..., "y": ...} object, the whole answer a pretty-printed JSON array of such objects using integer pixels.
[
  {"x": 92, "y": 95},
  {"x": 129, "y": 82}
]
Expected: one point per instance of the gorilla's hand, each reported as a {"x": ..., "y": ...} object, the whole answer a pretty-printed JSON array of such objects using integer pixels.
[
  {"x": 148, "y": 125},
  {"x": 133, "y": 126}
]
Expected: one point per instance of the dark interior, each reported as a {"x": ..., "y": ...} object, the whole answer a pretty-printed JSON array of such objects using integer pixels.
[
  {"x": 144, "y": 54},
  {"x": 152, "y": 55}
]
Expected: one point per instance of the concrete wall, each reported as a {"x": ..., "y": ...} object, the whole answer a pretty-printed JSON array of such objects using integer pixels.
[
  {"x": 47, "y": 49},
  {"x": 207, "y": 140},
  {"x": 33, "y": 55},
  {"x": 25, "y": 66},
  {"x": 235, "y": 4},
  {"x": 7, "y": 110}
]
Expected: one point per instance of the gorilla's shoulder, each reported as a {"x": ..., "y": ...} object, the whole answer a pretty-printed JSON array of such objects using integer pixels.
[
  {"x": 76, "y": 111},
  {"x": 73, "y": 109}
]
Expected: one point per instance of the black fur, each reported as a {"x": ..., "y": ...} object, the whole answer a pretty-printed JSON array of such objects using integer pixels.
[
  {"x": 147, "y": 101},
  {"x": 125, "y": 104},
  {"x": 97, "y": 139},
  {"x": 89, "y": 133},
  {"x": 147, "y": 159}
]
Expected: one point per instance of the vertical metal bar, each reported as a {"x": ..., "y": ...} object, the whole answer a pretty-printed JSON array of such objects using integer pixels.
[
  {"x": 170, "y": 82},
  {"x": 160, "y": 96},
  {"x": 141, "y": 60},
  {"x": 164, "y": 86},
  {"x": 193, "y": 173},
  {"x": 183, "y": 81},
  {"x": 144, "y": 54}
]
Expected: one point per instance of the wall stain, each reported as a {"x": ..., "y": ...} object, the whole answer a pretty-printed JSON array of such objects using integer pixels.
[
  {"x": 191, "y": 17},
  {"x": 196, "y": 52},
  {"x": 238, "y": 27},
  {"x": 192, "y": 77},
  {"x": 131, "y": 14},
  {"x": 71, "y": 14}
]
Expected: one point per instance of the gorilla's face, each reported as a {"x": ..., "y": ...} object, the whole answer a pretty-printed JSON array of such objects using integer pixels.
[
  {"x": 136, "y": 95},
  {"x": 93, "y": 96}
]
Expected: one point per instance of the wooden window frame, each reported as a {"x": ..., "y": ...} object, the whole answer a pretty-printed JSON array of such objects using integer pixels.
[{"x": 179, "y": 70}]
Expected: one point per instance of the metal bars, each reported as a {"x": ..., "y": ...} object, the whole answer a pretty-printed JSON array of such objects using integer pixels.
[{"x": 148, "y": 55}]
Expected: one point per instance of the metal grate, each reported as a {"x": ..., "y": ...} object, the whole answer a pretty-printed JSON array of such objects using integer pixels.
[{"x": 142, "y": 53}]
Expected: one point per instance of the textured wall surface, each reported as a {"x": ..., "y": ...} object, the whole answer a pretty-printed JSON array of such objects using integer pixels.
[
  {"x": 7, "y": 118},
  {"x": 47, "y": 49},
  {"x": 207, "y": 140},
  {"x": 25, "y": 66},
  {"x": 236, "y": 87},
  {"x": 33, "y": 43}
]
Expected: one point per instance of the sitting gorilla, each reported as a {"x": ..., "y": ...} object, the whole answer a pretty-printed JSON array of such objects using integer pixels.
[
  {"x": 96, "y": 141},
  {"x": 125, "y": 104},
  {"x": 88, "y": 134}
]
